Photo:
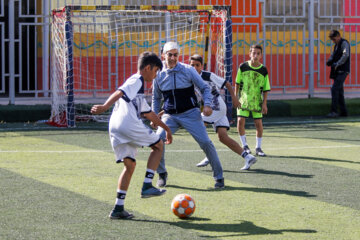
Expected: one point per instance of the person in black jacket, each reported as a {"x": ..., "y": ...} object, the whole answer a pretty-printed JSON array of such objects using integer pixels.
[{"x": 339, "y": 62}]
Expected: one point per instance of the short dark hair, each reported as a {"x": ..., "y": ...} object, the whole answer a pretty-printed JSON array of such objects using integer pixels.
[
  {"x": 257, "y": 46},
  {"x": 197, "y": 57},
  {"x": 334, "y": 33},
  {"x": 149, "y": 58}
]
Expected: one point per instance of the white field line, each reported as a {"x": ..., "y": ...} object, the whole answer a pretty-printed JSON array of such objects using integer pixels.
[
  {"x": 180, "y": 150},
  {"x": 42, "y": 126}
]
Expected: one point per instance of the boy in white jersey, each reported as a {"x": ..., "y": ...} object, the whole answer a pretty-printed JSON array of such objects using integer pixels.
[
  {"x": 252, "y": 85},
  {"x": 128, "y": 132},
  {"x": 218, "y": 117}
]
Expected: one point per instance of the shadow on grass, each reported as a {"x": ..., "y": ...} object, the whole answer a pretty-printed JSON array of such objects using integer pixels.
[
  {"x": 250, "y": 189},
  {"x": 270, "y": 172},
  {"x": 244, "y": 228},
  {"x": 314, "y": 159}
]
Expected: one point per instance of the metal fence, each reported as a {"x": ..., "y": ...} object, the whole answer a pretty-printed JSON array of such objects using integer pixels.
[{"x": 293, "y": 33}]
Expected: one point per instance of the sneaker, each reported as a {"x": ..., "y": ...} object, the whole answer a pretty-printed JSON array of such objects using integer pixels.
[
  {"x": 219, "y": 183},
  {"x": 120, "y": 214},
  {"x": 249, "y": 161},
  {"x": 332, "y": 115},
  {"x": 203, "y": 163},
  {"x": 152, "y": 192},
  {"x": 247, "y": 149},
  {"x": 162, "y": 179},
  {"x": 259, "y": 152}
]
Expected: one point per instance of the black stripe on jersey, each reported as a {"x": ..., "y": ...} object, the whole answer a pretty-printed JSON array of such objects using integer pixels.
[
  {"x": 125, "y": 97},
  {"x": 141, "y": 90},
  {"x": 146, "y": 112},
  {"x": 206, "y": 76},
  {"x": 246, "y": 67},
  {"x": 222, "y": 86}
]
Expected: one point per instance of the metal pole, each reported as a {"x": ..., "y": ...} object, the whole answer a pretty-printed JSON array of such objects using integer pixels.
[
  {"x": 167, "y": 24},
  {"x": 45, "y": 48},
  {"x": 12, "y": 52},
  {"x": 70, "y": 113},
  {"x": 311, "y": 48}
]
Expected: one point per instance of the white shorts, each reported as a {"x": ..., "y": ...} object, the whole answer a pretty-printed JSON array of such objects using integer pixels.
[
  {"x": 129, "y": 150},
  {"x": 218, "y": 118}
]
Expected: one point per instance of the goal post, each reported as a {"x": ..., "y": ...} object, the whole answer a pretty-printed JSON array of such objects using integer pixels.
[{"x": 94, "y": 49}]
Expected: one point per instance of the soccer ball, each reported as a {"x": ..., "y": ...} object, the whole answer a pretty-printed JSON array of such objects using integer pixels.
[{"x": 183, "y": 205}]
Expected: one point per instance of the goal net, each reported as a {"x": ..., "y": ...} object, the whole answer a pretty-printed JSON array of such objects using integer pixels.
[{"x": 95, "y": 49}]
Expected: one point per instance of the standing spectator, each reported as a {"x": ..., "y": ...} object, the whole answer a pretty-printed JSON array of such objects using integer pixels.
[
  {"x": 175, "y": 85},
  {"x": 339, "y": 62},
  {"x": 252, "y": 83},
  {"x": 218, "y": 117}
]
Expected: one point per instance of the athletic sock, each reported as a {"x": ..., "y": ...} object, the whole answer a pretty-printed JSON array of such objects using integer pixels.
[
  {"x": 243, "y": 140},
  {"x": 244, "y": 154},
  {"x": 149, "y": 175},
  {"x": 120, "y": 198},
  {"x": 258, "y": 142}
]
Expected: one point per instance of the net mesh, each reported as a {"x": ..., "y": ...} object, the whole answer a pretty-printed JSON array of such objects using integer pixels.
[{"x": 104, "y": 49}]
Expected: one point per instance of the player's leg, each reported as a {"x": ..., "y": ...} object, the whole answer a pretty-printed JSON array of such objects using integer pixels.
[
  {"x": 235, "y": 147},
  {"x": 174, "y": 126},
  {"x": 242, "y": 116},
  {"x": 217, "y": 114},
  {"x": 259, "y": 134},
  {"x": 228, "y": 141},
  {"x": 148, "y": 190},
  {"x": 191, "y": 120},
  {"x": 123, "y": 184}
]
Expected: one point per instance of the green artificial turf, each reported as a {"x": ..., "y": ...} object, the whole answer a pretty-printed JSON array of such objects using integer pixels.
[{"x": 61, "y": 183}]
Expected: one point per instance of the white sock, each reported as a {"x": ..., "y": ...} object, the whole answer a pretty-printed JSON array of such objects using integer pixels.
[
  {"x": 258, "y": 142},
  {"x": 243, "y": 140},
  {"x": 121, "y": 194},
  {"x": 149, "y": 175}
]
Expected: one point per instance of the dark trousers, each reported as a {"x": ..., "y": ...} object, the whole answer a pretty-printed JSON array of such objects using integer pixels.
[{"x": 337, "y": 94}]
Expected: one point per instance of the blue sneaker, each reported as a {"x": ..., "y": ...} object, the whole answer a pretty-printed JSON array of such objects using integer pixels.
[{"x": 152, "y": 192}]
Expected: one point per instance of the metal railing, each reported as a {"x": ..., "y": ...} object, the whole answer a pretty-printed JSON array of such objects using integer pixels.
[{"x": 293, "y": 34}]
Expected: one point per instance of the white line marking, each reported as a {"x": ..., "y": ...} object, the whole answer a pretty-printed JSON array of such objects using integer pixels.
[
  {"x": 180, "y": 150},
  {"x": 42, "y": 126}
]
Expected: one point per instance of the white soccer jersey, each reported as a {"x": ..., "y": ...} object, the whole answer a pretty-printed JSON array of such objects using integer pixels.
[
  {"x": 125, "y": 124},
  {"x": 215, "y": 83},
  {"x": 218, "y": 117}
]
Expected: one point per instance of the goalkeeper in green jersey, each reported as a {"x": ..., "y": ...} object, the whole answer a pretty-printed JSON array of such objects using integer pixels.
[{"x": 252, "y": 85}]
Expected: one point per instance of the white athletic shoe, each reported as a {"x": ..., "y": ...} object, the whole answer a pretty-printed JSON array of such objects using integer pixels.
[
  {"x": 203, "y": 163},
  {"x": 249, "y": 161},
  {"x": 259, "y": 152}
]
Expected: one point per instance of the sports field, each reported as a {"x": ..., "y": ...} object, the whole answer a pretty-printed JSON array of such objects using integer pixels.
[{"x": 60, "y": 184}]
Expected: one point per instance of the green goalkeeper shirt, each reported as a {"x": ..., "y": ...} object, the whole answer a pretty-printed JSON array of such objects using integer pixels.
[{"x": 252, "y": 81}]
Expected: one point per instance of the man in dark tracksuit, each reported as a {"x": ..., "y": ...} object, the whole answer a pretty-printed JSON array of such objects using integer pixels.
[
  {"x": 174, "y": 89},
  {"x": 339, "y": 62}
]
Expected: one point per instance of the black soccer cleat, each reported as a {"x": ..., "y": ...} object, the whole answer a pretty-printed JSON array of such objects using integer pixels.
[{"x": 114, "y": 214}]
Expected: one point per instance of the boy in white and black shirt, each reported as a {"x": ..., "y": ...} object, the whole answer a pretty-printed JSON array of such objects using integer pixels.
[
  {"x": 128, "y": 132},
  {"x": 218, "y": 117}
]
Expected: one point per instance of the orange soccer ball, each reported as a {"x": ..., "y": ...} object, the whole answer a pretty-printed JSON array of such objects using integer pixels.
[{"x": 183, "y": 205}]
